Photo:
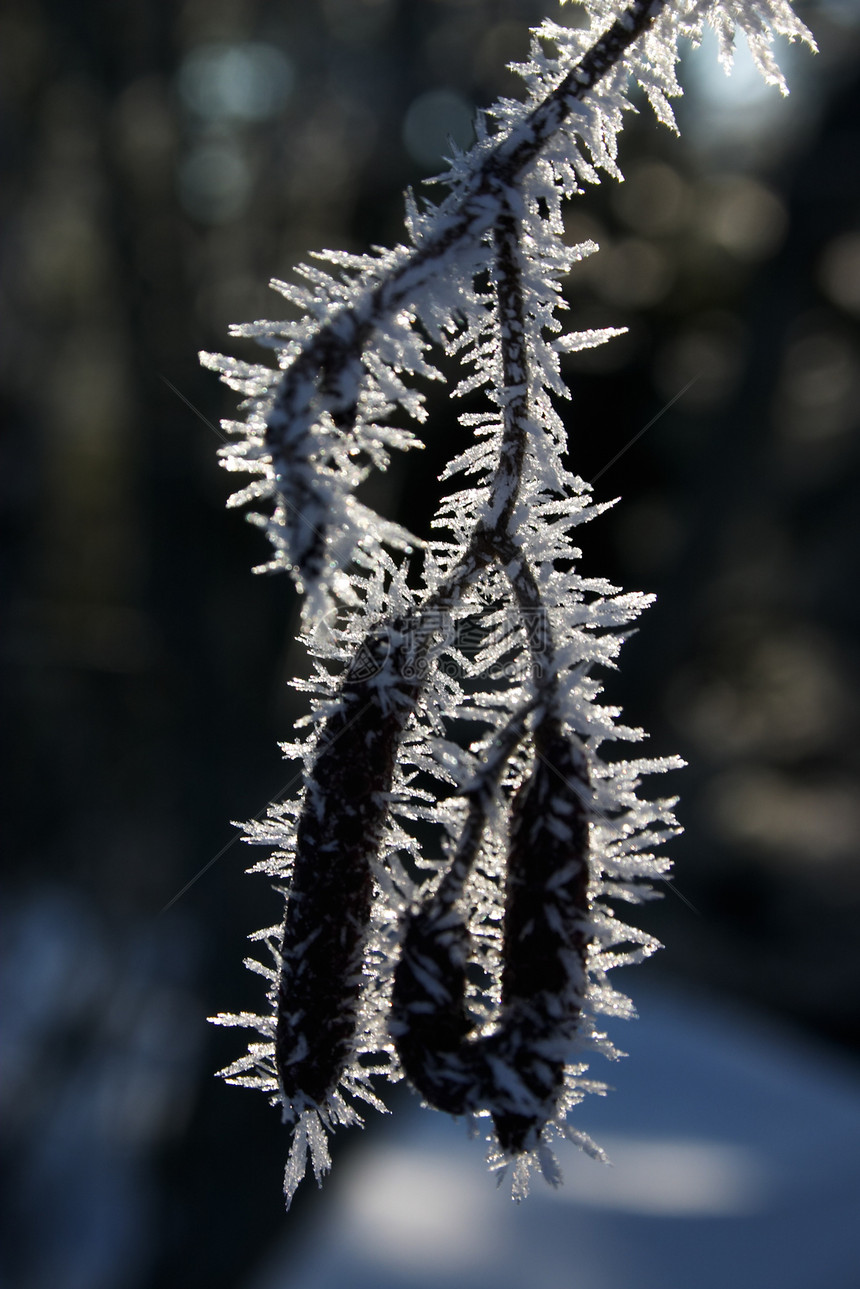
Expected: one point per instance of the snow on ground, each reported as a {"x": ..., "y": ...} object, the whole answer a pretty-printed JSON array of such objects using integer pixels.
[{"x": 735, "y": 1153}]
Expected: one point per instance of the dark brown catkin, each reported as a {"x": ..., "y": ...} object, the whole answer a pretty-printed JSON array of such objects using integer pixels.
[
  {"x": 331, "y": 888},
  {"x": 546, "y": 932}
]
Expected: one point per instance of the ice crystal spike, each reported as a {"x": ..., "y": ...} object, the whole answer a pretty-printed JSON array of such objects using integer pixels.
[{"x": 479, "y": 973}]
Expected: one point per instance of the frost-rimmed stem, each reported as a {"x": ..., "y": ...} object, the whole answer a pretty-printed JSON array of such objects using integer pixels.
[
  {"x": 341, "y": 823},
  {"x": 327, "y": 363},
  {"x": 517, "y": 1069},
  {"x": 576, "y": 832}
]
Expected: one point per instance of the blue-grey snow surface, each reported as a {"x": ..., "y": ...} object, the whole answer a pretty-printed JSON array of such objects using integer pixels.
[{"x": 736, "y": 1162}]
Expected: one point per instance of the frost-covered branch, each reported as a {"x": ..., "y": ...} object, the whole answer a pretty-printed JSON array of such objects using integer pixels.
[
  {"x": 478, "y": 970},
  {"x": 329, "y": 362}
]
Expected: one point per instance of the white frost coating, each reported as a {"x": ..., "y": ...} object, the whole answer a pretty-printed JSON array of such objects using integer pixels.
[
  {"x": 504, "y": 622},
  {"x": 428, "y": 284},
  {"x": 309, "y": 1138}
]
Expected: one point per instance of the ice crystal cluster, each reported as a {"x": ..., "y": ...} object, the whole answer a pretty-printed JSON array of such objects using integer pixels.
[{"x": 451, "y": 866}]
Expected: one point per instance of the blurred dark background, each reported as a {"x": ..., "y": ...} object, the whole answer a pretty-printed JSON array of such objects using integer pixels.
[{"x": 163, "y": 161}]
